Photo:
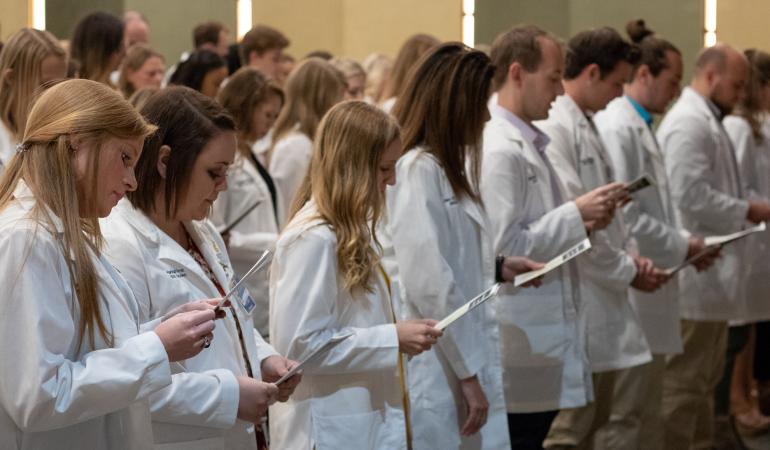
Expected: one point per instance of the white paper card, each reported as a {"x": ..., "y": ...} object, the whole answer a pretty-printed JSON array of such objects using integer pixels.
[
  {"x": 334, "y": 340},
  {"x": 712, "y": 241},
  {"x": 467, "y": 307},
  {"x": 571, "y": 253},
  {"x": 715, "y": 241}
]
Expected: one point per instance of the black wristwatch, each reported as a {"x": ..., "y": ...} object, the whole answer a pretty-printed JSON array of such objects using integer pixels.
[{"x": 499, "y": 268}]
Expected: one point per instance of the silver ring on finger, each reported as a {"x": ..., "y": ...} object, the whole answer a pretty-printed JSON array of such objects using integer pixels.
[{"x": 206, "y": 342}]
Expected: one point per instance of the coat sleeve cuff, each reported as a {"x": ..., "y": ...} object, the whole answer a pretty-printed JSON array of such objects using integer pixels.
[
  {"x": 158, "y": 373},
  {"x": 227, "y": 412},
  {"x": 151, "y": 325}
]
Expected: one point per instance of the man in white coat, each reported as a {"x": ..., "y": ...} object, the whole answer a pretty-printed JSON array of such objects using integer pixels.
[
  {"x": 545, "y": 364},
  {"x": 625, "y": 127},
  {"x": 598, "y": 62},
  {"x": 709, "y": 197}
]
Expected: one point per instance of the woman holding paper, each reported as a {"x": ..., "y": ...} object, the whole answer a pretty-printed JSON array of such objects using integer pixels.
[
  {"x": 76, "y": 372},
  {"x": 436, "y": 227},
  {"x": 171, "y": 255},
  {"x": 254, "y": 103},
  {"x": 327, "y": 283}
]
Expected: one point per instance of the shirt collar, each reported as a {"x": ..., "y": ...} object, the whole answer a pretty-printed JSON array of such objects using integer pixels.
[
  {"x": 531, "y": 133},
  {"x": 646, "y": 116},
  {"x": 714, "y": 109}
]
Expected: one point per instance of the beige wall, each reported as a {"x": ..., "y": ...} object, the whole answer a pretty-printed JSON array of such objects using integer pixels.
[
  {"x": 744, "y": 23},
  {"x": 680, "y": 21},
  {"x": 356, "y": 28},
  {"x": 172, "y": 21},
  {"x": 14, "y": 15}
]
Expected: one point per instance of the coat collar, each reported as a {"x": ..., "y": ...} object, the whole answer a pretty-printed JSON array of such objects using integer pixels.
[
  {"x": 169, "y": 250},
  {"x": 565, "y": 105},
  {"x": 692, "y": 97}
]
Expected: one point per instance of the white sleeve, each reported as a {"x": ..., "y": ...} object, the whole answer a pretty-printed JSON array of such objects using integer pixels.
[
  {"x": 264, "y": 350},
  {"x": 746, "y": 153},
  {"x": 42, "y": 387},
  {"x": 689, "y": 167},
  {"x": 303, "y": 290},
  {"x": 657, "y": 239},
  {"x": 505, "y": 189},
  {"x": 606, "y": 264},
  {"x": 205, "y": 399},
  {"x": 288, "y": 167}
]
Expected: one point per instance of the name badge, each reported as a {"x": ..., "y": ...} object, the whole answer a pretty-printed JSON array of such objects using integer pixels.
[{"x": 244, "y": 298}]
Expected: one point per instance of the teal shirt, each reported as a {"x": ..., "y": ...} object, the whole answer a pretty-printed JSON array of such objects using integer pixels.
[{"x": 646, "y": 116}]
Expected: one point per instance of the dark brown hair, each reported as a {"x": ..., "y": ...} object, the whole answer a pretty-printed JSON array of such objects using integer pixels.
[
  {"x": 194, "y": 69},
  {"x": 520, "y": 44},
  {"x": 750, "y": 107},
  {"x": 408, "y": 56},
  {"x": 187, "y": 120},
  {"x": 652, "y": 49},
  {"x": 207, "y": 33},
  {"x": 260, "y": 39},
  {"x": 243, "y": 93},
  {"x": 95, "y": 39},
  {"x": 603, "y": 47},
  {"x": 443, "y": 108}
]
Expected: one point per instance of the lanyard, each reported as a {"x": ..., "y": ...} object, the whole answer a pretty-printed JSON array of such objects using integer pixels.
[{"x": 401, "y": 372}]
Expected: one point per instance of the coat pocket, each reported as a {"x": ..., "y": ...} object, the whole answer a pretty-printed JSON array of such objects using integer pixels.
[{"x": 359, "y": 431}]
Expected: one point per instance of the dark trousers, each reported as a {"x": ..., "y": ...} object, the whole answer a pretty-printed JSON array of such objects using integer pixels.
[
  {"x": 762, "y": 352},
  {"x": 737, "y": 339},
  {"x": 528, "y": 430}
]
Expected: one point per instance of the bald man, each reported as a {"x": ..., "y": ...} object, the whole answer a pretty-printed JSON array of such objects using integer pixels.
[
  {"x": 136, "y": 30},
  {"x": 708, "y": 194}
]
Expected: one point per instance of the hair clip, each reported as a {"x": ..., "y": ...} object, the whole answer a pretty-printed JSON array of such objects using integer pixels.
[{"x": 21, "y": 147}]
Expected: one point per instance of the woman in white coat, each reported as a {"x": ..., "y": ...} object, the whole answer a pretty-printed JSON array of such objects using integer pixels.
[
  {"x": 254, "y": 103},
  {"x": 312, "y": 88},
  {"x": 29, "y": 59},
  {"x": 749, "y": 131},
  {"x": 439, "y": 251},
  {"x": 327, "y": 282},
  {"x": 170, "y": 256},
  {"x": 76, "y": 372}
]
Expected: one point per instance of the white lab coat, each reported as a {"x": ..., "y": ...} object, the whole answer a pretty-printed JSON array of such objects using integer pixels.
[
  {"x": 253, "y": 235},
  {"x": 387, "y": 105},
  {"x": 349, "y": 398},
  {"x": 436, "y": 249},
  {"x": 545, "y": 364},
  {"x": 200, "y": 410},
  {"x": 650, "y": 218},
  {"x": 53, "y": 395},
  {"x": 289, "y": 163},
  {"x": 754, "y": 163},
  {"x": 615, "y": 337},
  {"x": 7, "y": 147},
  {"x": 708, "y": 195}
]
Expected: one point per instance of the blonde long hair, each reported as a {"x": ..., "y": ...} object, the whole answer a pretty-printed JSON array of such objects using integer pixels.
[
  {"x": 312, "y": 88},
  {"x": 21, "y": 61},
  {"x": 343, "y": 182},
  {"x": 95, "y": 112}
]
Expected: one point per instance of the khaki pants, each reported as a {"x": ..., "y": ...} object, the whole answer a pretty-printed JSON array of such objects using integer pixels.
[
  {"x": 651, "y": 431},
  {"x": 689, "y": 380},
  {"x": 612, "y": 421}
]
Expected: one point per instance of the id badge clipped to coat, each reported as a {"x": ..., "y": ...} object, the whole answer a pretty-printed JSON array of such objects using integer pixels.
[{"x": 244, "y": 298}]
